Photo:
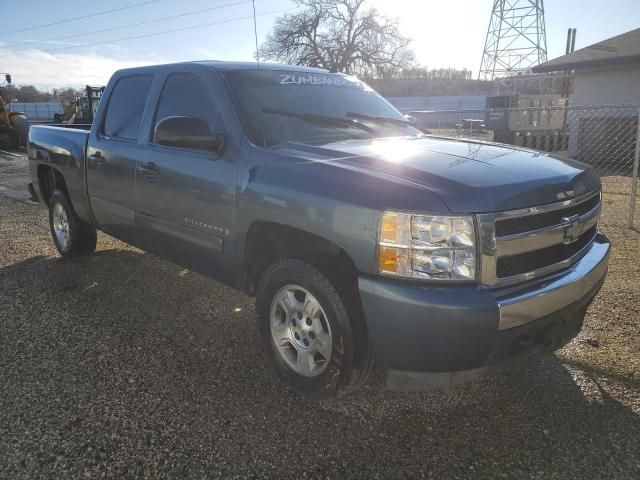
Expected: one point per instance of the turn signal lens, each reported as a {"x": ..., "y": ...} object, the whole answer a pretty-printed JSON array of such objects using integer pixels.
[{"x": 394, "y": 261}]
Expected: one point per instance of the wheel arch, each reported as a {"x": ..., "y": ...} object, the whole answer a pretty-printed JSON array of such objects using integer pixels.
[
  {"x": 50, "y": 179},
  {"x": 267, "y": 241}
]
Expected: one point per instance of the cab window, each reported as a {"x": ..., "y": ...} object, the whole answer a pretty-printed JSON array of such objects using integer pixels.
[
  {"x": 186, "y": 95},
  {"x": 125, "y": 108}
]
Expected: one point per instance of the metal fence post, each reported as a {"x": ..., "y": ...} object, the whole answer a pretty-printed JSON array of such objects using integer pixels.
[{"x": 634, "y": 181}]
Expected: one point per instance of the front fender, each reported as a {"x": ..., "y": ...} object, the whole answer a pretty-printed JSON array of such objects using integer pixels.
[{"x": 340, "y": 205}]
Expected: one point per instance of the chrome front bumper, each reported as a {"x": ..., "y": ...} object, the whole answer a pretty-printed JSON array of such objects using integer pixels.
[{"x": 558, "y": 293}]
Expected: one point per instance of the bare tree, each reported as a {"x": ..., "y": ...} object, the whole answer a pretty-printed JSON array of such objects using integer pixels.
[{"x": 339, "y": 35}]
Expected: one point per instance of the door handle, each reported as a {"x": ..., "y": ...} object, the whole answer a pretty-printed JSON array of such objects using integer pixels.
[
  {"x": 97, "y": 160},
  {"x": 149, "y": 169}
]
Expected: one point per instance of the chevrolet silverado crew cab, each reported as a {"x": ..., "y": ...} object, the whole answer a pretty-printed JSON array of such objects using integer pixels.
[{"x": 362, "y": 239}]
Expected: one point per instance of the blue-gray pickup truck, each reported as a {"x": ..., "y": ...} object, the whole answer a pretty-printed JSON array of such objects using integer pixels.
[{"x": 364, "y": 240}]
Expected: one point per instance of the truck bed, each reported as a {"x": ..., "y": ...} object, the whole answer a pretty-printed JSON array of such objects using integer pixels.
[{"x": 63, "y": 147}]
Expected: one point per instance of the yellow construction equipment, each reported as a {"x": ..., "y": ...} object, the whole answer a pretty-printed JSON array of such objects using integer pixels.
[
  {"x": 14, "y": 126},
  {"x": 82, "y": 109}
]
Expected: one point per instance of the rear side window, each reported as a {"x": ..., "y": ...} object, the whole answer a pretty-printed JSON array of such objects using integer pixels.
[
  {"x": 185, "y": 94},
  {"x": 124, "y": 111}
]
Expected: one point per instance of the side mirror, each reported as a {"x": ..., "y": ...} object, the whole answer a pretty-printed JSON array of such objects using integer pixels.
[
  {"x": 7, "y": 78},
  {"x": 187, "y": 132}
]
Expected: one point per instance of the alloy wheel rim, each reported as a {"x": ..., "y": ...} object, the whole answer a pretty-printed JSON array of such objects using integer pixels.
[
  {"x": 61, "y": 226},
  {"x": 300, "y": 330}
]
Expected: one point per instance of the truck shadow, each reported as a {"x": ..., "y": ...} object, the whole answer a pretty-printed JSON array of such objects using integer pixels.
[{"x": 160, "y": 359}]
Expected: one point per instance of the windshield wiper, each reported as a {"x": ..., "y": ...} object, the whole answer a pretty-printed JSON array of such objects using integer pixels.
[
  {"x": 321, "y": 119},
  {"x": 373, "y": 118}
]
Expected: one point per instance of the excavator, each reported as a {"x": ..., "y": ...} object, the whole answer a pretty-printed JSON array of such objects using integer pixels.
[
  {"x": 14, "y": 126},
  {"x": 82, "y": 109}
]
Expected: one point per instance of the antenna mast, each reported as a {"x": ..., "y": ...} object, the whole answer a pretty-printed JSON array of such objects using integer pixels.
[{"x": 255, "y": 31}]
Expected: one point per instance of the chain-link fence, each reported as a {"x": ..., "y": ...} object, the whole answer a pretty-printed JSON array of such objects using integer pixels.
[{"x": 606, "y": 137}]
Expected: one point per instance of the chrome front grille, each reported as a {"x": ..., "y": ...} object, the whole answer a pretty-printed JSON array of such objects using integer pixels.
[{"x": 521, "y": 245}]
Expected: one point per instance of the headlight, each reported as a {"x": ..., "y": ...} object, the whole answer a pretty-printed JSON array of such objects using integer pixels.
[{"x": 435, "y": 247}]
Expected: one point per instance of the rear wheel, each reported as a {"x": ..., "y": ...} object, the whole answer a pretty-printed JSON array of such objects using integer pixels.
[
  {"x": 71, "y": 235},
  {"x": 307, "y": 332}
]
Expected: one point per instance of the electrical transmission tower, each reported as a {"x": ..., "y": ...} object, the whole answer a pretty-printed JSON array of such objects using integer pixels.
[{"x": 516, "y": 38}]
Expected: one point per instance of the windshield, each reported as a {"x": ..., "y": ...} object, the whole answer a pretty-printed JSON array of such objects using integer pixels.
[{"x": 279, "y": 106}]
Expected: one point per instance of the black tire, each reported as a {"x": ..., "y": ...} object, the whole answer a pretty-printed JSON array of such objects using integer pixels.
[
  {"x": 21, "y": 124},
  {"x": 82, "y": 236},
  {"x": 351, "y": 359}
]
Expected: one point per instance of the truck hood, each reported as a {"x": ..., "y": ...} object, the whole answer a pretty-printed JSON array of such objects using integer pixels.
[{"x": 468, "y": 176}]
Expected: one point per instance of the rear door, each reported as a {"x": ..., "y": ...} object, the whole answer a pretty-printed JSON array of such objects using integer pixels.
[
  {"x": 112, "y": 153},
  {"x": 184, "y": 200}
]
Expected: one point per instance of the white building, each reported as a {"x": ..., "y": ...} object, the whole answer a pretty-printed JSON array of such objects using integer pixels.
[
  {"x": 605, "y": 73},
  {"x": 602, "y": 122}
]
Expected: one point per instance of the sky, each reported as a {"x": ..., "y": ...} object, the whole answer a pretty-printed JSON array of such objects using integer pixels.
[{"x": 445, "y": 33}]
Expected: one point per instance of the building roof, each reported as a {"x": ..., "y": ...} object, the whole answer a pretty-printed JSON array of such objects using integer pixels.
[{"x": 619, "y": 50}]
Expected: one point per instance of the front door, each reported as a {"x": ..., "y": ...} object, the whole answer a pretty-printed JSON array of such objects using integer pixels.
[
  {"x": 112, "y": 154},
  {"x": 184, "y": 198}
]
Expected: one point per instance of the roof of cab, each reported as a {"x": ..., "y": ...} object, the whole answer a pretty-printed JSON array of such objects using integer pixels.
[
  {"x": 222, "y": 65},
  {"x": 226, "y": 66}
]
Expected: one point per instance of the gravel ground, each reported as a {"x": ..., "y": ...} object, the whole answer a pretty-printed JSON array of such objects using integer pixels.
[
  {"x": 123, "y": 365},
  {"x": 14, "y": 174}
]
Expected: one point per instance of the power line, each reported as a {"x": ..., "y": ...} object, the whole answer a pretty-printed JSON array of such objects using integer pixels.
[
  {"x": 122, "y": 27},
  {"x": 67, "y": 20},
  {"x": 136, "y": 37}
]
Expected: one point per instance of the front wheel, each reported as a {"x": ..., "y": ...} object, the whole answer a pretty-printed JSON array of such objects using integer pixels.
[
  {"x": 71, "y": 235},
  {"x": 307, "y": 332}
]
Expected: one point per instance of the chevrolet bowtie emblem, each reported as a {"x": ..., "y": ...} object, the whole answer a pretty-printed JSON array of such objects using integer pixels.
[{"x": 573, "y": 229}]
